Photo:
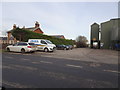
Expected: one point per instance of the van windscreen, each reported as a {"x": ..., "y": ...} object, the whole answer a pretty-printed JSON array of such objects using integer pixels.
[{"x": 49, "y": 42}]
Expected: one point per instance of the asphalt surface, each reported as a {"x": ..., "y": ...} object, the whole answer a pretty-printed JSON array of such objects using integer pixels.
[{"x": 30, "y": 71}]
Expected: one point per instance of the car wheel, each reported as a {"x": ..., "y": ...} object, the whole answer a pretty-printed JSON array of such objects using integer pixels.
[
  {"x": 46, "y": 50},
  {"x": 8, "y": 50},
  {"x": 65, "y": 48},
  {"x": 22, "y": 50}
]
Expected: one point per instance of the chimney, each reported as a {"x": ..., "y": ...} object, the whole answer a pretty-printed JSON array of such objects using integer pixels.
[
  {"x": 14, "y": 26},
  {"x": 36, "y": 24}
]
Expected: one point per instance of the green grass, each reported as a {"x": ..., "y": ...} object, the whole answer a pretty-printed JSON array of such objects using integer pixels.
[{"x": 2, "y": 50}]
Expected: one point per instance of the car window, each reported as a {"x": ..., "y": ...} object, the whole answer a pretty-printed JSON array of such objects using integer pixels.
[
  {"x": 31, "y": 43},
  {"x": 22, "y": 44},
  {"x": 49, "y": 42},
  {"x": 43, "y": 42},
  {"x": 15, "y": 44}
]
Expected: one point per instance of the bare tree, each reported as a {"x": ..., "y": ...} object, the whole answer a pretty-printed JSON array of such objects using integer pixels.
[{"x": 81, "y": 41}]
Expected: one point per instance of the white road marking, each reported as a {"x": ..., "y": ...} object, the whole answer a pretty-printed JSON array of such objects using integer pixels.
[
  {"x": 19, "y": 67},
  {"x": 46, "y": 62},
  {"x": 74, "y": 66},
  {"x": 15, "y": 85},
  {"x": 35, "y": 62},
  {"x": 42, "y": 62},
  {"x": 111, "y": 71},
  {"x": 8, "y": 57},
  {"x": 25, "y": 59}
]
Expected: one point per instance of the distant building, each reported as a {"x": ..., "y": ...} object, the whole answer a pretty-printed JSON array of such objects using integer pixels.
[
  {"x": 58, "y": 36},
  {"x": 109, "y": 32},
  {"x": 95, "y": 36},
  {"x": 36, "y": 29},
  {"x": 4, "y": 40}
]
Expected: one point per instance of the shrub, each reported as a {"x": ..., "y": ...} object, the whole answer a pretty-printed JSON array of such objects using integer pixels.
[{"x": 24, "y": 35}]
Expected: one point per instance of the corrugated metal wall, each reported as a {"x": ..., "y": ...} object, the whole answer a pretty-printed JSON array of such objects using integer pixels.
[
  {"x": 110, "y": 33},
  {"x": 95, "y": 32},
  {"x": 106, "y": 34}
]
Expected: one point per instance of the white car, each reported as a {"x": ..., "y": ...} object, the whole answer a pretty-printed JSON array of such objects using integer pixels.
[
  {"x": 22, "y": 47},
  {"x": 44, "y": 45}
]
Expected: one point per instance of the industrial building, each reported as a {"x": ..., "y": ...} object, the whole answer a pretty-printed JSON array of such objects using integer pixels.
[
  {"x": 109, "y": 34},
  {"x": 95, "y": 36}
]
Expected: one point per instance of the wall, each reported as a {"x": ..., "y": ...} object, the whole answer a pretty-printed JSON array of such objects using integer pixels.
[
  {"x": 38, "y": 31},
  {"x": 95, "y": 35},
  {"x": 106, "y": 34},
  {"x": 95, "y": 31}
]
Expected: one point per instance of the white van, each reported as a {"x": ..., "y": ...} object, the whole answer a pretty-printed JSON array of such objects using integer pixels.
[{"x": 42, "y": 44}]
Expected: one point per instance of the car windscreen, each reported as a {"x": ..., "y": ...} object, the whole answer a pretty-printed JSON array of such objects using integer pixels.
[{"x": 49, "y": 42}]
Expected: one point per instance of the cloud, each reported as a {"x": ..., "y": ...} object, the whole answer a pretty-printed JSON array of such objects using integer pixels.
[
  {"x": 58, "y": 20},
  {"x": 69, "y": 19}
]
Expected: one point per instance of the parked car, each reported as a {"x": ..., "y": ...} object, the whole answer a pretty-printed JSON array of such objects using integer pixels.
[
  {"x": 62, "y": 47},
  {"x": 70, "y": 47},
  {"x": 44, "y": 45},
  {"x": 117, "y": 46},
  {"x": 22, "y": 47}
]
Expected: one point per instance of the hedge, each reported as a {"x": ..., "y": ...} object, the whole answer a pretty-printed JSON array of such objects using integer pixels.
[{"x": 24, "y": 35}]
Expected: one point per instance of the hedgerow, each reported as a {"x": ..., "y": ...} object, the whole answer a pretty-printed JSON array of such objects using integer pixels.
[{"x": 24, "y": 35}]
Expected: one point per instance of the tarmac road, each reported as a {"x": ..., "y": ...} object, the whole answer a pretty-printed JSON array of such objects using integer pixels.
[{"x": 30, "y": 71}]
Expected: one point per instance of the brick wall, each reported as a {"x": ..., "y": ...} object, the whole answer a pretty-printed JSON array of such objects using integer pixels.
[{"x": 38, "y": 31}]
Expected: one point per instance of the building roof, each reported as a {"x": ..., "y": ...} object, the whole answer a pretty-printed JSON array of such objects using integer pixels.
[
  {"x": 30, "y": 29},
  {"x": 110, "y": 20},
  {"x": 58, "y": 36},
  {"x": 36, "y": 27},
  {"x": 115, "y": 19}
]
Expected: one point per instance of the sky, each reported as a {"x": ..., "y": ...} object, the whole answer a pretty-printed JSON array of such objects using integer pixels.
[{"x": 70, "y": 19}]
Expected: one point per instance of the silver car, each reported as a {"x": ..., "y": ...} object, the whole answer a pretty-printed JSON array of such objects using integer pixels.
[{"x": 22, "y": 47}]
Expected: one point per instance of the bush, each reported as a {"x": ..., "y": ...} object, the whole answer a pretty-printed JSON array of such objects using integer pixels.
[{"x": 24, "y": 35}]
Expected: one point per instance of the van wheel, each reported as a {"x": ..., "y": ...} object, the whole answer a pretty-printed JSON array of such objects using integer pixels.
[
  {"x": 54, "y": 49},
  {"x": 8, "y": 50},
  {"x": 22, "y": 51},
  {"x": 46, "y": 50}
]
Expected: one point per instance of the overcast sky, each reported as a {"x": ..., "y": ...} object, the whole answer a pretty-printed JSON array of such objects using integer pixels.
[{"x": 70, "y": 19}]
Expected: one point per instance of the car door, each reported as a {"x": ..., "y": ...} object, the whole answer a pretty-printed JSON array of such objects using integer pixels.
[
  {"x": 14, "y": 47},
  {"x": 19, "y": 47},
  {"x": 22, "y": 45},
  {"x": 43, "y": 44}
]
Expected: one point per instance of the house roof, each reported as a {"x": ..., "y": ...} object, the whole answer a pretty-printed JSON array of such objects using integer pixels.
[
  {"x": 58, "y": 36},
  {"x": 30, "y": 29}
]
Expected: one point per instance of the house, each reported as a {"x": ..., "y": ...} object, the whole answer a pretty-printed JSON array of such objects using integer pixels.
[
  {"x": 58, "y": 36},
  {"x": 36, "y": 29},
  {"x": 4, "y": 40}
]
